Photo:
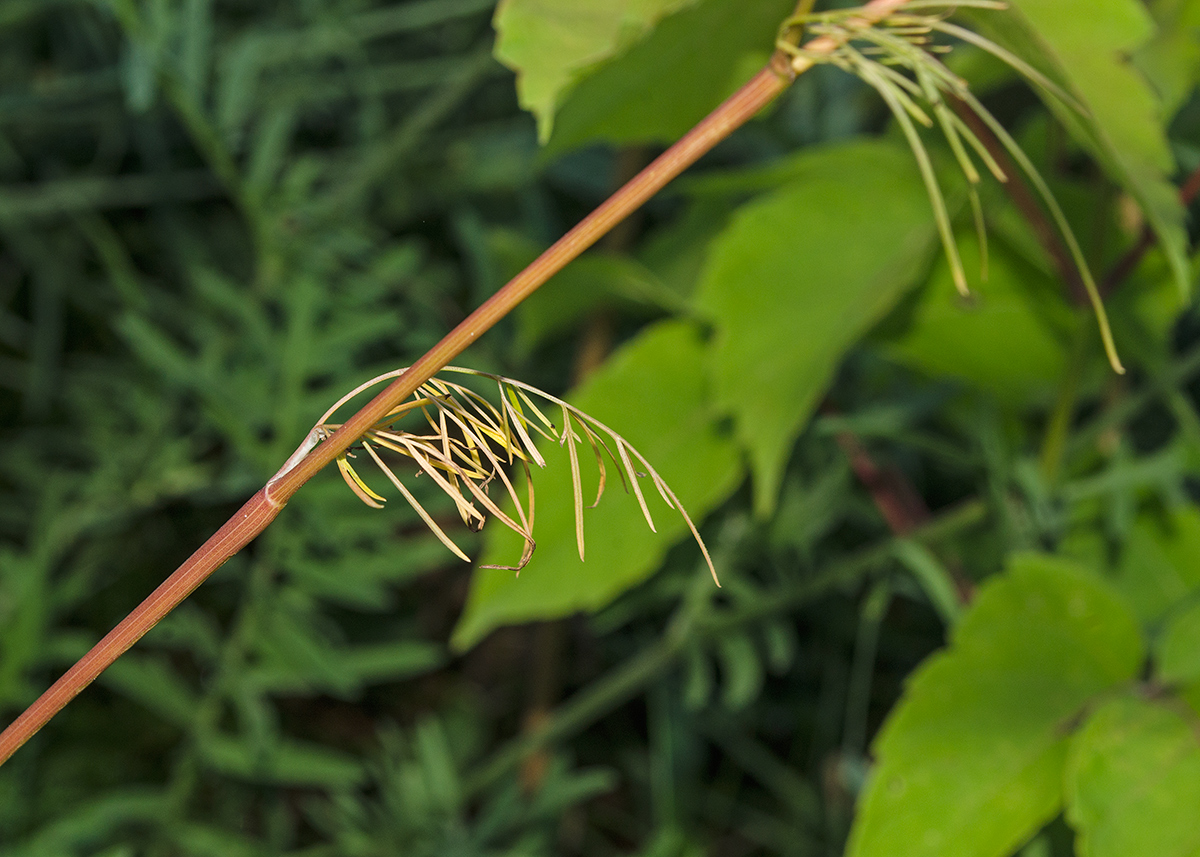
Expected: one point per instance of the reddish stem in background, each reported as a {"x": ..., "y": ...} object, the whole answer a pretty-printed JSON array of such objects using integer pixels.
[
  {"x": 900, "y": 504},
  {"x": 894, "y": 496},
  {"x": 1133, "y": 256}
]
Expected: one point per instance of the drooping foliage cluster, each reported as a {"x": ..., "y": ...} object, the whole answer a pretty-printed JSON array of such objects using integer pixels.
[{"x": 959, "y": 556}]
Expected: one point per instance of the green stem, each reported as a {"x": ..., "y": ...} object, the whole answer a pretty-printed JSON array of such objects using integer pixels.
[
  {"x": 862, "y": 668},
  {"x": 1058, "y": 429}
]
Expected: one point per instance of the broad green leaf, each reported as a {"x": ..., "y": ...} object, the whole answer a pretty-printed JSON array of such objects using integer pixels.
[
  {"x": 1177, "y": 652},
  {"x": 591, "y": 283},
  {"x": 550, "y": 43},
  {"x": 996, "y": 340},
  {"x": 665, "y": 84},
  {"x": 1133, "y": 782},
  {"x": 1144, "y": 313},
  {"x": 1088, "y": 44},
  {"x": 1177, "y": 649},
  {"x": 1160, "y": 562},
  {"x": 588, "y": 285},
  {"x": 797, "y": 277},
  {"x": 675, "y": 252},
  {"x": 1171, "y": 60},
  {"x": 653, "y": 393},
  {"x": 970, "y": 762}
]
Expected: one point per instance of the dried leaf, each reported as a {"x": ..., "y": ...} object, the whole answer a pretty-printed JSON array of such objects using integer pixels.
[{"x": 472, "y": 441}]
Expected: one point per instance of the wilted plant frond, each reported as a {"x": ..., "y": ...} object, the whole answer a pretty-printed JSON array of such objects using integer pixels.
[
  {"x": 465, "y": 443},
  {"x": 905, "y": 41}
]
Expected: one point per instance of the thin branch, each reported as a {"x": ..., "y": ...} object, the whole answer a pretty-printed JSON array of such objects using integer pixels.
[{"x": 261, "y": 509}]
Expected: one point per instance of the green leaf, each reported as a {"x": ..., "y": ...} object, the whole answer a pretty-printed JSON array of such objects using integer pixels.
[
  {"x": 25, "y": 612},
  {"x": 652, "y": 392},
  {"x": 433, "y": 754},
  {"x": 1177, "y": 650},
  {"x": 1133, "y": 782},
  {"x": 78, "y": 829},
  {"x": 741, "y": 671},
  {"x": 1160, "y": 562},
  {"x": 139, "y": 73},
  {"x": 933, "y": 577},
  {"x": 657, "y": 90},
  {"x": 286, "y": 762},
  {"x": 563, "y": 787},
  {"x": 388, "y": 662},
  {"x": 698, "y": 683},
  {"x": 150, "y": 680},
  {"x": 971, "y": 760},
  {"x": 779, "y": 639},
  {"x": 1177, "y": 653},
  {"x": 550, "y": 43},
  {"x": 294, "y": 657},
  {"x": 675, "y": 251},
  {"x": 1089, "y": 42},
  {"x": 205, "y": 840},
  {"x": 295, "y": 653},
  {"x": 195, "y": 47},
  {"x": 998, "y": 340},
  {"x": 1171, "y": 60},
  {"x": 588, "y": 285},
  {"x": 797, "y": 278}
]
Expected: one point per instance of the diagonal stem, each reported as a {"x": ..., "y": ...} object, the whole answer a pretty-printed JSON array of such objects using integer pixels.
[{"x": 261, "y": 509}]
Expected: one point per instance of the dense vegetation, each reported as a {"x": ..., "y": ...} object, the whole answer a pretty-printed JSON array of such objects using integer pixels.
[{"x": 217, "y": 216}]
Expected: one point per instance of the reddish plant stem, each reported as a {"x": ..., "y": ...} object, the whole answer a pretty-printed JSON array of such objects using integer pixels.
[
  {"x": 1047, "y": 235},
  {"x": 902, "y": 507},
  {"x": 235, "y": 534},
  {"x": 1129, "y": 262},
  {"x": 262, "y": 508},
  {"x": 898, "y": 501}
]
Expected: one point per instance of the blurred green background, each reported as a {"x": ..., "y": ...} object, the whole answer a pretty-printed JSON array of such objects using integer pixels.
[{"x": 216, "y": 216}]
